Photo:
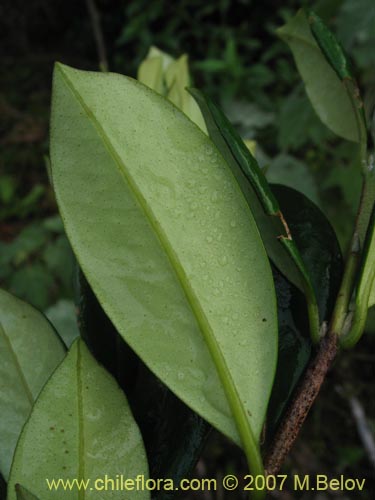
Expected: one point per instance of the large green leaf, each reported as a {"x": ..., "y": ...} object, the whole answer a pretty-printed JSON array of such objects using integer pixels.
[
  {"x": 80, "y": 428},
  {"x": 331, "y": 98},
  {"x": 30, "y": 350},
  {"x": 173, "y": 434},
  {"x": 168, "y": 244},
  {"x": 273, "y": 227}
]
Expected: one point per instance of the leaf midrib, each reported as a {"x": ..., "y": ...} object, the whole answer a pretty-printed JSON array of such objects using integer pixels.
[{"x": 234, "y": 401}]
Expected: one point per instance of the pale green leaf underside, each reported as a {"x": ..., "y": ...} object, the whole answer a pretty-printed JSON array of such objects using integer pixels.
[
  {"x": 326, "y": 92},
  {"x": 166, "y": 240},
  {"x": 80, "y": 427},
  {"x": 29, "y": 352}
]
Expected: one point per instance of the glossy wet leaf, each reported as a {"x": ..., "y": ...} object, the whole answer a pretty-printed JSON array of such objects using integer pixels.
[
  {"x": 170, "y": 77},
  {"x": 330, "y": 97},
  {"x": 84, "y": 430},
  {"x": 168, "y": 244},
  {"x": 269, "y": 227},
  {"x": 294, "y": 349},
  {"x": 173, "y": 434},
  {"x": 265, "y": 207},
  {"x": 317, "y": 242},
  {"x": 322, "y": 256},
  {"x": 30, "y": 350}
]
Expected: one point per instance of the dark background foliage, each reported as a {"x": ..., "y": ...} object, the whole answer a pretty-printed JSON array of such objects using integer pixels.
[{"x": 237, "y": 59}]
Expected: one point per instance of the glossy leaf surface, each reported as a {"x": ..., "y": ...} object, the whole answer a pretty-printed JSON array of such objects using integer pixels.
[
  {"x": 294, "y": 348},
  {"x": 321, "y": 253},
  {"x": 317, "y": 242},
  {"x": 329, "y": 96},
  {"x": 272, "y": 224},
  {"x": 30, "y": 350},
  {"x": 270, "y": 227},
  {"x": 85, "y": 430},
  {"x": 173, "y": 434},
  {"x": 168, "y": 244}
]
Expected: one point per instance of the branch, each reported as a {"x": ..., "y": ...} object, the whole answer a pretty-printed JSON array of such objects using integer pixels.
[
  {"x": 98, "y": 35},
  {"x": 305, "y": 396}
]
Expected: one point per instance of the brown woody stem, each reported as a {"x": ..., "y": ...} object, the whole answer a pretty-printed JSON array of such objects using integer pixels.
[{"x": 304, "y": 397}]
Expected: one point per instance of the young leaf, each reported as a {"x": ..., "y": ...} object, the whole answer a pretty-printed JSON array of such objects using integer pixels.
[
  {"x": 80, "y": 428},
  {"x": 169, "y": 246},
  {"x": 332, "y": 99},
  {"x": 150, "y": 72},
  {"x": 30, "y": 350},
  {"x": 170, "y": 77},
  {"x": 264, "y": 206},
  {"x": 317, "y": 242}
]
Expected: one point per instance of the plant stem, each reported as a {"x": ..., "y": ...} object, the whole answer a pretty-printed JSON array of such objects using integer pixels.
[
  {"x": 304, "y": 398},
  {"x": 357, "y": 323},
  {"x": 316, "y": 372},
  {"x": 98, "y": 35},
  {"x": 346, "y": 288}
]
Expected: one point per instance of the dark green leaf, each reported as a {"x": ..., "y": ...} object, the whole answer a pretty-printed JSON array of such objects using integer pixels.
[
  {"x": 321, "y": 253},
  {"x": 294, "y": 348},
  {"x": 317, "y": 242}
]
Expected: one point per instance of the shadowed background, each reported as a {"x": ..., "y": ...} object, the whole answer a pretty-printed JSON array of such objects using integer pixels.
[{"x": 237, "y": 59}]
